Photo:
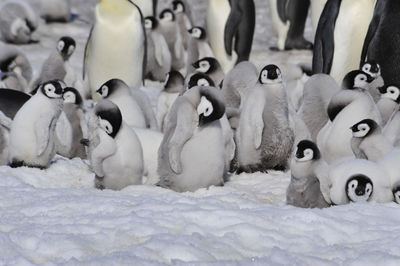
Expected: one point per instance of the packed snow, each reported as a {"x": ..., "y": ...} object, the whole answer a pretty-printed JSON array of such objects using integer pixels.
[{"x": 56, "y": 216}]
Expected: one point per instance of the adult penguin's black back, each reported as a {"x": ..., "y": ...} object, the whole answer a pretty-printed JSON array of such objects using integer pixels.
[
  {"x": 324, "y": 38},
  {"x": 239, "y": 28},
  {"x": 382, "y": 43}
]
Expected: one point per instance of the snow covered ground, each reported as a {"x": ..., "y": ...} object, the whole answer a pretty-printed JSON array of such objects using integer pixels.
[{"x": 55, "y": 216}]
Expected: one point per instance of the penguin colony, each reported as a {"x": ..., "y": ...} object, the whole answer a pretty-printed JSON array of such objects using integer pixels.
[{"x": 217, "y": 114}]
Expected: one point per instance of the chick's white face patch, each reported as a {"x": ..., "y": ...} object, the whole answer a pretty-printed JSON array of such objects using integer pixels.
[
  {"x": 69, "y": 97},
  {"x": 205, "y": 107},
  {"x": 106, "y": 126},
  {"x": 308, "y": 156}
]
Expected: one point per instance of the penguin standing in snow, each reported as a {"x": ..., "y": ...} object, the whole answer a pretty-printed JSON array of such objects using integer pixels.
[
  {"x": 170, "y": 30},
  {"x": 211, "y": 67},
  {"x": 389, "y": 102},
  {"x": 174, "y": 84},
  {"x": 184, "y": 162},
  {"x": 198, "y": 47},
  {"x": 116, "y": 155},
  {"x": 183, "y": 20},
  {"x": 308, "y": 170},
  {"x": 159, "y": 57},
  {"x": 341, "y": 31},
  {"x": 57, "y": 65},
  {"x": 374, "y": 70},
  {"x": 133, "y": 103},
  {"x": 265, "y": 137},
  {"x": 118, "y": 38},
  {"x": 368, "y": 142},
  {"x": 32, "y": 134},
  {"x": 73, "y": 104},
  {"x": 347, "y": 107},
  {"x": 381, "y": 42}
]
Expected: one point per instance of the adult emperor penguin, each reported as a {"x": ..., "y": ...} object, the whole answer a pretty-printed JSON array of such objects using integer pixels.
[
  {"x": 159, "y": 57},
  {"x": 389, "y": 102},
  {"x": 380, "y": 45},
  {"x": 239, "y": 29},
  {"x": 18, "y": 21},
  {"x": 289, "y": 20},
  {"x": 374, "y": 70},
  {"x": 116, "y": 47},
  {"x": 340, "y": 35},
  {"x": 116, "y": 155},
  {"x": 198, "y": 47},
  {"x": 32, "y": 134},
  {"x": 15, "y": 67},
  {"x": 309, "y": 177},
  {"x": 134, "y": 104},
  {"x": 57, "y": 65},
  {"x": 359, "y": 180},
  {"x": 317, "y": 6},
  {"x": 347, "y": 107},
  {"x": 174, "y": 84},
  {"x": 217, "y": 16},
  {"x": 170, "y": 30},
  {"x": 55, "y": 10},
  {"x": 184, "y": 162},
  {"x": 211, "y": 67},
  {"x": 183, "y": 20},
  {"x": 368, "y": 142},
  {"x": 318, "y": 91},
  {"x": 73, "y": 104},
  {"x": 264, "y": 137}
]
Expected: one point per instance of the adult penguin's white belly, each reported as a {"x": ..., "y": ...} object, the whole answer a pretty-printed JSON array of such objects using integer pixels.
[
  {"x": 350, "y": 30},
  {"x": 116, "y": 51},
  {"x": 217, "y": 15}
]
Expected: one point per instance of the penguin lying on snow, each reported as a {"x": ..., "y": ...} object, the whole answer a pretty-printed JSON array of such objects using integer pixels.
[
  {"x": 184, "y": 162},
  {"x": 18, "y": 21},
  {"x": 309, "y": 184},
  {"x": 359, "y": 180},
  {"x": 115, "y": 155},
  {"x": 15, "y": 68},
  {"x": 32, "y": 134}
]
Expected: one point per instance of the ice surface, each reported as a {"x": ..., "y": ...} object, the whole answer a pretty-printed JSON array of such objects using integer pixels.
[{"x": 55, "y": 216}]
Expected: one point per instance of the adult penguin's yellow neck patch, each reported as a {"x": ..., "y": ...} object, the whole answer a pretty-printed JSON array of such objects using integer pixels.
[{"x": 118, "y": 8}]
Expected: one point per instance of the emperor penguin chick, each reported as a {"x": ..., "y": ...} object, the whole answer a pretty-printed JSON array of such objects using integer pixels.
[
  {"x": 174, "y": 84},
  {"x": 211, "y": 67},
  {"x": 308, "y": 170},
  {"x": 170, "y": 30},
  {"x": 198, "y": 47},
  {"x": 73, "y": 104},
  {"x": 374, "y": 70},
  {"x": 57, "y": 66},
  {"x": 183, "y": 20},
  {"x": 389, "y": 101},
  {"x": 32, "y": 134},
  {"x": 318, "y": 91},
  {"x": 347, "y": 107},
  {"x": 158, "y": 55},
  {"x": 265, "y": 137},
  {"x": 368, "y": 142},
  {"x": 184, "y": 162},
  {"x": 18, "y": 21},
  {"x": 15, "y": 67},
  {"x": 134, "y": 105},
  {"x": 116, "y": 156}
]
